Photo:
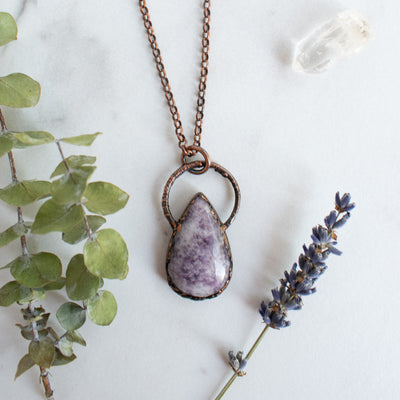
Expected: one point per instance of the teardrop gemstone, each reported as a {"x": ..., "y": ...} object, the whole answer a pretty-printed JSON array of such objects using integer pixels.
[{"x": 199, "y": 261}]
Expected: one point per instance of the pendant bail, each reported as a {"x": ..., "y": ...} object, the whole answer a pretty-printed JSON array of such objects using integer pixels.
[{"x": 192, "y": 151}]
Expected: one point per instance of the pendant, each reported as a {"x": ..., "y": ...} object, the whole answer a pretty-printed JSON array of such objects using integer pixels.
[{"x": 199, "y": 259}]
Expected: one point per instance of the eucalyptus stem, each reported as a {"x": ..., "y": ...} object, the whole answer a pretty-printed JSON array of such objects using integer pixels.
[
  {"x": 249, "y": 354},
  {"x": 44, "y": 374},
  {"x": 14, "y": 179},
  {"x": 89, "y": 230},
  {"x": 62, "y": 155}
]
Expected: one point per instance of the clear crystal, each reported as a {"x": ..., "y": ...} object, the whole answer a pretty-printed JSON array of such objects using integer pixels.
[{"x": 339, "y": 37}]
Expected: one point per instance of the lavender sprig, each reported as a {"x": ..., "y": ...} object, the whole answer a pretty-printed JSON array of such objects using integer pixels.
[{"x": 298, "y": 282}]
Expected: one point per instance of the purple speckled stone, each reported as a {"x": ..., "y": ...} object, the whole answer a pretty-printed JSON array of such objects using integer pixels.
[{"x": 199, "y": 262}]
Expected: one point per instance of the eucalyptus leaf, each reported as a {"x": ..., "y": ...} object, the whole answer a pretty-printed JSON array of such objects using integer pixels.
[
  {"x": 33, "y": 295},
  {"x": 28, "y": 334},
  {"x": 12, "y": 233},
  {"x": 71, "y": 316},
  {"x": 19, "y": 91},
  {"x": 80, "y": 283},
  {"x": 57, "y": 285},
  {"x": 12, "y": 292},
  {"x": 79, "y": 232},
  {"x": 36, "y": 312},
  {"x": 102, "y": 308},
  {"x": 55, "y": 217},
  {"x": 70, "y": 187},
  {"x": 81, "y": 140},
  {"x": 6, "y": 144},
  {"x": 42, "y": 352},
  {"x": 104, "y": 198},
  {"x": 36, "y": 270},
  {"x": 25, "y": 192},
  {"x": 8, "y": 28},
  {"x": 65, "y": 347},
  {"x": 26, "y": 139},
  {"x": 106, "y": 254},
  {"x": 24, "y": 365},
  {"x": 76, "y": 337},
  {"x": 73, "y": 162},
  {"x": 42, "y": 321},
  {"x": 60, "y": 359}
]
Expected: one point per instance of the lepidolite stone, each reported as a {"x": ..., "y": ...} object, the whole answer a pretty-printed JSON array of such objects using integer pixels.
[{"x": 199, "y": 262}]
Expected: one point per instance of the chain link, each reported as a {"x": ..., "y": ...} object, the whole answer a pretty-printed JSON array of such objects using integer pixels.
[{"x": 187, "y": 151}]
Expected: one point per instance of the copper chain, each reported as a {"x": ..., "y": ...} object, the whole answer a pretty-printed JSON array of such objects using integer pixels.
[{"x": 186, "y": 150}]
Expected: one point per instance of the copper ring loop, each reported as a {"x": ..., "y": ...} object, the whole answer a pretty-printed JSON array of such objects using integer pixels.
[
  {"x": 205, "y": 164},
  {"x": 188, "y": 167}
]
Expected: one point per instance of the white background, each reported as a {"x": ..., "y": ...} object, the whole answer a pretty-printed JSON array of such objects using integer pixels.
[{"x": 291, "y": 140}]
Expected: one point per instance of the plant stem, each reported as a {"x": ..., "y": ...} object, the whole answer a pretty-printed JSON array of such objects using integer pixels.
[
  {"x": 43, "y": 371},
  {"x": 14, "y": 179},
  {"x": 89, "y": 230},
  {"x": 44, "y": 374},
  {"x": 227, "y": 386},
  {"x": 257, "y": 342},
  {"x": 249, "y": 354},
  {"x": 62, "y": 155}
]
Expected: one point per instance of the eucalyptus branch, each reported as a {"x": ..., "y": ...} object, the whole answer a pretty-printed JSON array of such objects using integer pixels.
[
  {"x": 43, "y": 372},
  {"x": 69, "y": 197},
  {"x": 299, "y": 281}
]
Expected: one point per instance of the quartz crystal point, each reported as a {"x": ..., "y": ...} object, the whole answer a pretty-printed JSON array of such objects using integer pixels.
[
  {"x": 337, "y": 38},
  {"x": 199, "y": 262}
]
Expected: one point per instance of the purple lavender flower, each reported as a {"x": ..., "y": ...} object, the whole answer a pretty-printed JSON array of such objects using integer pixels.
[
  {"x": 301, "y": 279},
  {"x": 237, "y": 362}
]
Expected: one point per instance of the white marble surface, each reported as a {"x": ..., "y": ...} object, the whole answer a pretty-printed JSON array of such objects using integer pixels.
[{"x": 291, "y": 140}]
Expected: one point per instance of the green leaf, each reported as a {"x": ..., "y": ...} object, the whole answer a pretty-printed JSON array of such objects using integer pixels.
[
  {"x": 42, "y": 352},
  {"x": 23, "y": 140},
  {"x": 104, "y": 198},
  {"x": 71, "y": 316},
  {"x": 12, "y": 292},
  {"x": 57, "y": 285},
  {"x": 102, "y": 308},
  {"x": 33, "y": 295},
  {"x": 8, "y": 28},
  {"x": 55, "y": 217},
  {"x": 80, "y": 283},
  {"x": 60, "y": 359},
  {"x": 65, "y": 347},
  {"x": 82, "y": 140},
  {"x": 25, "y": 192},
  {"x": 79, "y": 232},
  {"x": 75, "y": 337},
  {"x": 73, "y": 162},
  {"x": 13, "y": 233},
  {"x": 26, "y": 332},
  {"x": 19, "y": 91},
  {"x": 106, "y": 254},
  {"x": 24, "y": 365},
  {"x": 70, "y": 187},
  {"x": 37, "y": 270},
  {"x": 42, "y": 321},
  {"x": 6, "y": 144}
]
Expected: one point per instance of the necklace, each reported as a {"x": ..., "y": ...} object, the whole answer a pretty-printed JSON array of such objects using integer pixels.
[{"x": 199, "y": 259}]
